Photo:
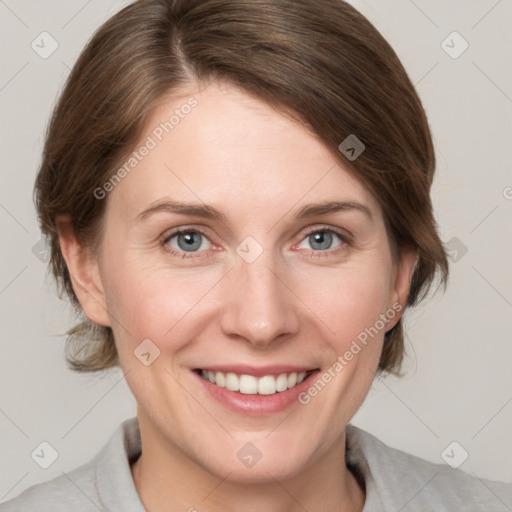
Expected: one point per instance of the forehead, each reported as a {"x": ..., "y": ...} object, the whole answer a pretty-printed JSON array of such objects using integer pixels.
[{"x": 224, "y": 147}]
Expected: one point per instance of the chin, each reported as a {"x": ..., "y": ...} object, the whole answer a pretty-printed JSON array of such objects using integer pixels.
[{"x": 248, "y": 464}]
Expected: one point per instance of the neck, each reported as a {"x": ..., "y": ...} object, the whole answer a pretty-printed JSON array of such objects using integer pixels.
[{"x": 167, "y": 480}]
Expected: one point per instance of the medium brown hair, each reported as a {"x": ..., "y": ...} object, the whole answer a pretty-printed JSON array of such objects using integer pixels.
[{"x": 321, "y": 61}]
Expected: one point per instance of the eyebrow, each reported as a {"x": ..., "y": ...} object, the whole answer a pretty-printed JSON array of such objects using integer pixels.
[
  {"x": 209, "y": 212},
  {"x": 312, "y": 210}
]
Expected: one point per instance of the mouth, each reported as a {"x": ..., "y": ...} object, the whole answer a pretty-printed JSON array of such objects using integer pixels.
[
  {"x": 252, "y": 391},
  {"x": 247, "y": 384}
]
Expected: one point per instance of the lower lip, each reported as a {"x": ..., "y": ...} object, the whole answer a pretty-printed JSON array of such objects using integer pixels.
[{"x": 256, "y": 405}]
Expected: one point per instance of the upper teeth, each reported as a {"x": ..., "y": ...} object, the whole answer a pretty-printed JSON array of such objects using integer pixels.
[{"x": 250, "y": 385}]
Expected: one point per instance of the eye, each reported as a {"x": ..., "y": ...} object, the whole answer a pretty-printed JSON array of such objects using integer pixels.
[
  {"x": 322, "y": 240},
  {"x": 186, "y": 241},
  {"x": 191, "y": 243}
]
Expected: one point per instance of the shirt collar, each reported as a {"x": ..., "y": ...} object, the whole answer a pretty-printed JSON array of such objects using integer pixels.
[
  {"x": 114, "y": 481},
  {"x": 117, "y": 491}
]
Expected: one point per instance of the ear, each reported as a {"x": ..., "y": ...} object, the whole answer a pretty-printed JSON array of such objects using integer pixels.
[
  {"x": 401, "y": 283},
  {"x": 84, "y": 272}
]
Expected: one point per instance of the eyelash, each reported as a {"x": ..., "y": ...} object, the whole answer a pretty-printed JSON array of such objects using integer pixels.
[{"x": 344, "y": 238}]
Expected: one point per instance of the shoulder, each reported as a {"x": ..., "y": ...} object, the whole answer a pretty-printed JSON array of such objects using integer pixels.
[
  {"x": 104, "y": 483},
  {"x": 70, "y": 491},
  {"x": 408, "y": 483}
]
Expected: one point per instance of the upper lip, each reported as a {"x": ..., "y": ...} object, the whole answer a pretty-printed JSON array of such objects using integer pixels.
[{"x": 245, "y": 369}]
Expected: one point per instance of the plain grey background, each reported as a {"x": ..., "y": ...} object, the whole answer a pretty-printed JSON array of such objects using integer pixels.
[{"x": 458, "y": 386}]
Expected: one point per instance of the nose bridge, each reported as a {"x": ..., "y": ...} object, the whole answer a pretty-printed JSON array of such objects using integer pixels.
[{"x": 259, "y": 307}]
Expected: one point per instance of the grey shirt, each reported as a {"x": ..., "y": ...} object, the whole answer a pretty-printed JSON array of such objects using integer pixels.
[{"x": 394, "y": 481}]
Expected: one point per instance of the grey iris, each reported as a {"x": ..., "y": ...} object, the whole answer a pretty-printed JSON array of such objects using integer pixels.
[
  {"x": 322, "y": 238},
  {"x": 187, "y": 242}
]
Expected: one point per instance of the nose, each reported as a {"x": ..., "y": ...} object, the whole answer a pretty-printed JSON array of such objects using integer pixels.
[{"x": 259, "y": 307}]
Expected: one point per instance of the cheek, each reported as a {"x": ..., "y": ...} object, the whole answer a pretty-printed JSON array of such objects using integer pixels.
[
  {"x": 347, "y": 300},
  {"x": 153, "y": 303},
  {"x": 169, "y": 305}
]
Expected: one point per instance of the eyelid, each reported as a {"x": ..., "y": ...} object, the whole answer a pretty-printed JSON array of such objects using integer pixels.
[
  {"x": 326, "y": 227},
  {"x": 166, "y": 237},
  {"x": 342, "y": 233}
]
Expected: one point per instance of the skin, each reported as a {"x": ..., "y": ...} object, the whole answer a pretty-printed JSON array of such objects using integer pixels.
[{"x": 295, "y": 304}]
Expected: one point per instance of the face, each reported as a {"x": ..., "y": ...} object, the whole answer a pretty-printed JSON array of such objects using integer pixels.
[{"x": 238, "y": 250}]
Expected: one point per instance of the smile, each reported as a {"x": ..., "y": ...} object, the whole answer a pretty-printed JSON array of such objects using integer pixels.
[{"x": 251, "y": 385}]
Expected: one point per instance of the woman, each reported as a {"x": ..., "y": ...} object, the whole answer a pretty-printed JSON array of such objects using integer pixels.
[{"x": 238, "y": 200}]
